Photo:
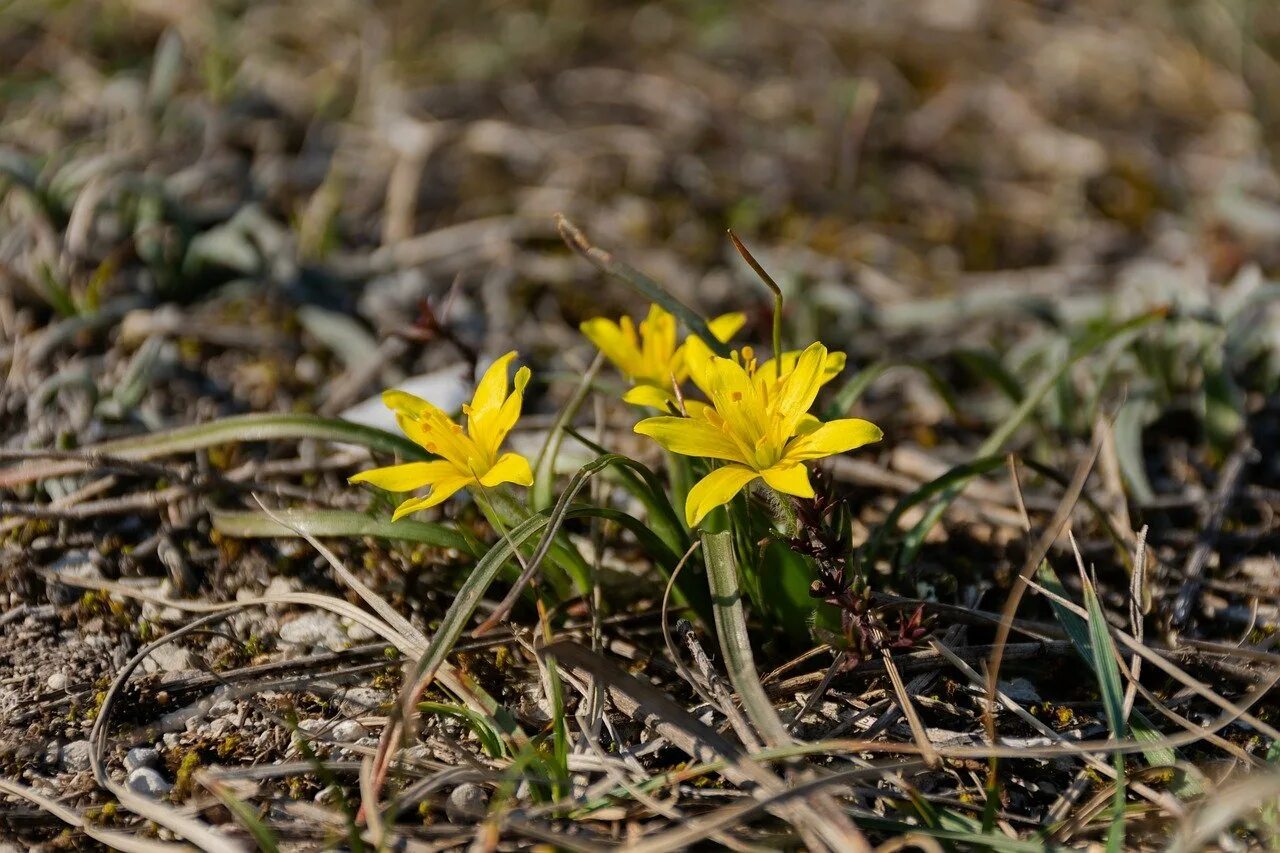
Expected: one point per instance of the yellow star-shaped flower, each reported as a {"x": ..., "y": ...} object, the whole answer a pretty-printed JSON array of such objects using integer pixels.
[
  {"x": 469, "y": 457},
  {"x": 758, "y": 421},
  {"x": 649, "y": 356}
]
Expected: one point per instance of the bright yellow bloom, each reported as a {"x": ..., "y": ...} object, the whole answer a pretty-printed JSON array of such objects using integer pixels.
[
  {"x": 650, "y": 356},
  {"x": 759, "y": 423},
  {"x": 467, "y": 458}
]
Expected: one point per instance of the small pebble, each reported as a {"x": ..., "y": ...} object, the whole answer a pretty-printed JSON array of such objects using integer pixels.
[
  {"x": 75, "y": 756},
  {"x": 57, "y": 681},
  {"x": 363, "y": 700},
  {"x": 73, "y": 564},
  {"x": 148, "y": 782},
  {"x": 141, "y": 756},
  {"x": 467, "y": 801},
  {"x": 348, "y": 731},
  {"x": 314, "y": 629},
  {"x": 168, "y": 658}
]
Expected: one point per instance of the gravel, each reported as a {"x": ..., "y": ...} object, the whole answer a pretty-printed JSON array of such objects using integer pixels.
[
  {"x": 73, "y": 564},
  {"x": 148, "y": 782},
  {"x": 315, "y": 629},
  {"x": 466, "y": 801},
  {"x": 75, "y": 756},
  {"x": 141, "y": 756}
]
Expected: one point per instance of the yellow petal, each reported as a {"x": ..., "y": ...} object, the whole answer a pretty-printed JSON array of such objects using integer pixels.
[
  {"x": 790, "y": 479},
  {"x": 492, "y": 388},
  {"x": 406, "y": 477},
  {"x": 690, "y": 437},
  {"x": 799, "y": 388},
  {"x": 510, "y": 468},
  {"x": 610, "y": 338},
  {"x": 698, "y": 358},
  {"x": 832, "y": 368},
  {"x": 649, "y": 395},
  {"x": 726, "y": 326},
  {"x": 409, "y": 405},
  {"x": 440, "y": 492},
  {"x": 831, "y": 438},
  {"x": 716, "y": 489}
]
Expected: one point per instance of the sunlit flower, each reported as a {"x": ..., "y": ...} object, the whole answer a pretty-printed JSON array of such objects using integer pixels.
[
  {"x": 468, "y": 457},
  {"x": 757, "y": 421},
  {"x": 650, "y": 356}
]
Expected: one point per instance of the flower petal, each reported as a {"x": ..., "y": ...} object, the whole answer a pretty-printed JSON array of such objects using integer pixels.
[
  {"x": 440, "y": 492},
  {"x": 406, "y": 477},
  {"x": 799, "y": 388},
  {"x": 789, "y": 479},
  {"x": 726, "y": 326},
  {"x": 649, "y": 395},
  {"x": 510, "y": 468},
  {"x": 831, "y": 438},
  {"x": 716, "y": 489},
  {"x": 409, "y": 405},
  {"x": 690, "y": 437},
  {"x": 610, "y": 338},
  {"x": 698, "y": 358},
  {"x": 492, "y": 388}
]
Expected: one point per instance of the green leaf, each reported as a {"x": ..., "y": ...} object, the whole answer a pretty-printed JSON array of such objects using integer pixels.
[
  {"x": 487, "y": 730},
  {"x": 544, "y": 478},
  {"x": 1087, "y": 344},
  {"x": 1112, "y": 690},
  {"x": 735, "y": 644},
  {"x": 250, "y": 524},
  {"x": 238, "y": 428}
]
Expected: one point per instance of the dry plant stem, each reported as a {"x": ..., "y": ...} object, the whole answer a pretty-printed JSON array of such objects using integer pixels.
[
  {"x": 909, "y": 711},
  {"x": 185, "y": 827},
  {"x": 1210, "y": 525},
  {"x": 1056, "y": 525},
  {"x": 1156, "y": 797}
]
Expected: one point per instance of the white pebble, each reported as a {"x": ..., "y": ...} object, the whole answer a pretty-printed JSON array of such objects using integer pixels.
[
  {"x": 148, "y": 782},
  {"x": 75, "y": 756},
  {"x": 141, "y": 756}
]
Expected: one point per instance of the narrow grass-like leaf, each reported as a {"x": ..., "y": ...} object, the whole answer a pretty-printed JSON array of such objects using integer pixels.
[
  {"x": 735, "y": 644},
  {"x": 1141, "y": 727},
  {"x": 244, "y": 813},
  {"x": 237, "y": 428},
  {"x": 1112, "y": 690},
  {"x": 490, "y": 735},
  {"x": 954, "y": 479},
  {"x": 544, "y": 475},
  {"x": 250, "y": 524},
  {"x": 1088, "y": 344}
]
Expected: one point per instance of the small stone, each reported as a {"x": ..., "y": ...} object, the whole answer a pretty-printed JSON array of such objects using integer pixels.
[
  {"x": 148, "y": 782},
  {"x": 348, "y": 731},
  {"x": 467, "y": 801},
  {"x": 314, "y": 629},
  {"x": 57, "y": 681},
  {"x": 168, "y": 658},
  {"x": 75, "y": 756},
  {"x": 73, "y": 564},
  {"x": 141, "y": 756},
  {"x": 363, "y": 700}
]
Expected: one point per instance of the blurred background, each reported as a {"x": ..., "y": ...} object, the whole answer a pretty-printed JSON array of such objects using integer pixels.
[{"x": 902, "y": 168}]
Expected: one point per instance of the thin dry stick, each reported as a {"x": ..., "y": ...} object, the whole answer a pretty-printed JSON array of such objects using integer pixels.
[
  {"x": 909, "y": 711},
  {"x": 1056, "y": 525}
]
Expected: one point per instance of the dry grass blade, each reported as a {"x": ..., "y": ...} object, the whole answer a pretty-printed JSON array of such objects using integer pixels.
[
  {"x": 725, "y": 818},
  {"x": 1054, "y": 529},
  {"x": 115, "y": 840}
]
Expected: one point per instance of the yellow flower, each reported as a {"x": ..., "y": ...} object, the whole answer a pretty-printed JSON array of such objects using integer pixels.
[
  {"x": 757, "y": 421},
  {"x": 649, "y": 356},
  {"x": 468, "y": 458}
]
